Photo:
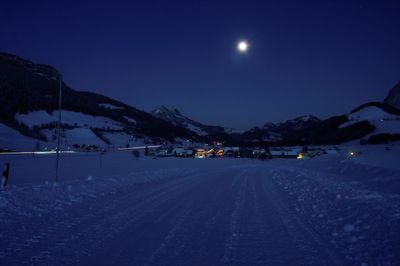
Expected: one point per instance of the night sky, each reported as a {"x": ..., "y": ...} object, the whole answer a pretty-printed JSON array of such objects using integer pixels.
[{"x": 306, "y": 57}]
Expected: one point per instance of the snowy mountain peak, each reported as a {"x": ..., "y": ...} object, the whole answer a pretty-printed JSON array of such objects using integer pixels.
[
  {"x": 393, "y": 97},
  {"x": 277, "y": 131},
  {"x": 174, "y": 116},
  {"x": 170, "y": 114},
  {"x": 88, "y": 118},
  {"x": 307, "y": 118},
  {"x": 300, "y": 122},
  {"x": 166, "y": 109}
]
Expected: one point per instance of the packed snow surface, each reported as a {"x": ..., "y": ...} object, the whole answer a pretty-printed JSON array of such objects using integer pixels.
[{"x": 113, "y": 209}]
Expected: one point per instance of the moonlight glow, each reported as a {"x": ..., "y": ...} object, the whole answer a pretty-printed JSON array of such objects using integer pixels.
[{"x": 242, "y": 46}]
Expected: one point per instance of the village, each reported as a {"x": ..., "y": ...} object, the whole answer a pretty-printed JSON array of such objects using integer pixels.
[{"x": 219, "y": 151}]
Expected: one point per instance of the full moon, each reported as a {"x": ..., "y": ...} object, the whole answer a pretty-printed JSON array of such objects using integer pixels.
[{"x": 242, "y": 46}]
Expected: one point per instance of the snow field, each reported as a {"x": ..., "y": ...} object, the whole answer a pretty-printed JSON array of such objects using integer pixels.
[{"x": 329, "y": 210}]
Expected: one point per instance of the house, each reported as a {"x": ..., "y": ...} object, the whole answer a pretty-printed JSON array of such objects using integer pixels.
[
  {"x": 292, "y": 152},
  {"x": 281, "y": 152},
  {"x": 182, "y": 152},
  {"x": 232, "y": 152},
  {"x": 164, "y": 153},
  {"x": 200, "y": 153},
  {"x": 315, "y": 151},
  {"x": 211, "y": 152},
  {"x": 220, "y": 152},
  {"x": 229, "y": 153},
  {"x": 332, "y": 150},
  {"x": 246, "y": 152},
  {"x": 277, "y": 152}
]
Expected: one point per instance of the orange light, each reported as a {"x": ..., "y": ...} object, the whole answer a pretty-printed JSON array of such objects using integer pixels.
[{"x": 200, "y": 153}]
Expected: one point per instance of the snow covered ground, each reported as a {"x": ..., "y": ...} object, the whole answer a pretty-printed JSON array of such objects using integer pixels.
[
  {"x": 68, "y": 117},
  {"x": 116, "y": 210},
  {"x": 80, "y": 134},
  {"x": 80, "y": 131},
  {"x": 13, "y": 140},
  {"x": 383, "y": 121}
]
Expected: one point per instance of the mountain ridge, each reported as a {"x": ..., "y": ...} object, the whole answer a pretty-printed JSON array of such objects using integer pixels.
[
  {"x": 29, "y": 92},
  {"x": 393, "y": 98},
  {"x": 27, "y": 87},
  {"x": 174, "y": 116}
]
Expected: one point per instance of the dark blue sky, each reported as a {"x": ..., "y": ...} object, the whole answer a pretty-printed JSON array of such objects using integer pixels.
[{"x": 306, "y": 57}]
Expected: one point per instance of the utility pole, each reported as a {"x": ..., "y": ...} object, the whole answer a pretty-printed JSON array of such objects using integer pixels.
[{"x": 58, "y": 126}]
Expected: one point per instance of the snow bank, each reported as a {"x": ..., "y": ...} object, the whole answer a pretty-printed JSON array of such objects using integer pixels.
[{"x": 324, "y": 209}]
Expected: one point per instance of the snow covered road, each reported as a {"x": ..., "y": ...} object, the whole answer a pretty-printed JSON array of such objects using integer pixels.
[{"x": 243, "y": 213}]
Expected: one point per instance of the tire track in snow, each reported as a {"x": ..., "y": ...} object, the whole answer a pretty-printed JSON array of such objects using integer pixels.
[
  {"x": 231, "y": 245},
  {"x": 264, "y": 237},
  {"x": 200, "y": 238},
  {"x": 304, "y": 234},
  {"x": 122, "y": 215},
  {"x": 152, "y": 229},
  {"x": 87, "y": 226},
  {"x": 162, "y": 249}
]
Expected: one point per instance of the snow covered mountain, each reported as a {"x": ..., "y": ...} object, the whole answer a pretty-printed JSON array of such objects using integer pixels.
[
  {"x": 29, "y": 114},
  {"x": 174, "y": 116},
  {"x": 373, "y": 122},
  {"x": 295, "y": 124},
  {"x": 275, "y": 132},
  {"x": 393, "y": 97},
  {"x": 383, "y": 117},
  {"x": 29, "y": 106}
]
